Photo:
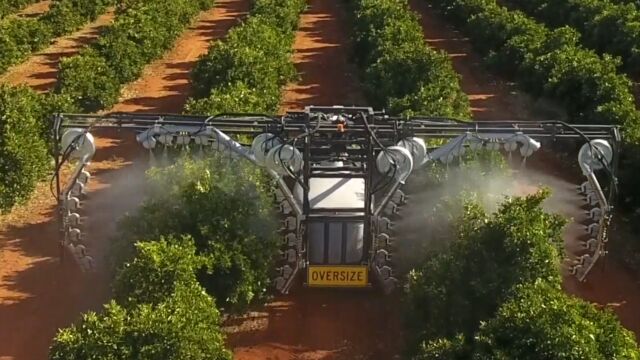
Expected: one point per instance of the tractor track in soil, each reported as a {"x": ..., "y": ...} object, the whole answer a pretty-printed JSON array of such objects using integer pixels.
[
  {"x": 41, "y": 69},
  {"x": 38, "y": 292},
  {"x": 494, "y": 99},
  {"x": 320, "y": 323}
]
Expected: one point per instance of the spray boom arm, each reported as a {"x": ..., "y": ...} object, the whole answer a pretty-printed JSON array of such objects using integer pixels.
[{"x": 346, "y": 142}]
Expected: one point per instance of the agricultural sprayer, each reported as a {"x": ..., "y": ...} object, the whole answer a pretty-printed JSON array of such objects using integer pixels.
[{"x": 339, "y": 173}]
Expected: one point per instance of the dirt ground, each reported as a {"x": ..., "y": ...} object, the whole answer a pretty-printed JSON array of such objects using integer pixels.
[
  {"x": 34, "y": 10},
  {"x": 493, "y": 99},
  {"x": 316, "y": 324},
  {"x": 39, "y": 294},
  {"x": 322, "y": 59},
  {"x": 40, "y": 70}
]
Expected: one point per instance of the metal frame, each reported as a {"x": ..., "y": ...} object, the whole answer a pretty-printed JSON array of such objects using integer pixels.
[{"x": 325, "y": 129}]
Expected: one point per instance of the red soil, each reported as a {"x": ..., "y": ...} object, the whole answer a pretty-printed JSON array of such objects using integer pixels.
[
  {"x": 38, "y": 294},
  {"x": 322, "y": 58},
  {"x": 493, "y": 99},
  {"x": 35, "y": 9},
  {"x": 41, "y": 69},
  {"x": 310, "y": 323}
]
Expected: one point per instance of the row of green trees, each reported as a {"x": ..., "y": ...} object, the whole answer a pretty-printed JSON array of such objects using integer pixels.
[
  {"x": 399, "y": 71},
  {"x": 247, "y": 70},
  {"x": 20, "y": 37},
  {"x": 205, "y": 238},
  {"x": 25, "y": 129},
  {"x": 90, "y": 81},
  {"x": 8, "y": 7},
  {"x": 206, "y": 231},
  {"x": 605, "y": 26},
  {"x": 495, "y": 293},
  {"x": 553, "y": 64},
  {"x": 141, "y": 33},
  {"x": 161, "y": 312}
]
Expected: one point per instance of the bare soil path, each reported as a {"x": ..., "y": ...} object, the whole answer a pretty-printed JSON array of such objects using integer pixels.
[
  {"x": 494, "y": 99},
  {"x": 40, "y": 70},
  {"x": 320, "y": 323},
  {"x": 164, "y": 86},
  {"x": 34, "y": 10},
  {"x": 38, "y": 294},
  {"x": 322, "y": 59}
]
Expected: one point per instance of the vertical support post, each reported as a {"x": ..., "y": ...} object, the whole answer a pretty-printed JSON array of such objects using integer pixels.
[
  {"x": 57, "y": 123},
  {"x": 368, "y": 201}
]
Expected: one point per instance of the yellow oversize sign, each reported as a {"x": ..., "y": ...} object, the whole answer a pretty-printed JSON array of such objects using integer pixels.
[{"x": 349, "y": 276}]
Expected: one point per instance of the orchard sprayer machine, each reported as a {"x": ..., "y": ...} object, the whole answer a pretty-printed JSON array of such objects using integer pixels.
[{"x": 340, "y": 174}]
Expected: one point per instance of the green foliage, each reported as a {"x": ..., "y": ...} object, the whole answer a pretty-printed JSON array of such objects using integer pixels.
[
  {"x": 8, "y": 7},
  {"x": 604, "y": 25},
  {"x": 23, "y": 150},
  {"x": 87, "y": 79},
  {"x": 225, "y": 207},
  {"x": 444, "y": 349},
  {"x": 458, "y": 288},
  {"x": 155, "y": 272},
  {"x": 141, "y": 33},
  {"x": 184, "y": 327},
  {"x": 401, "y": 73},
  {"x": 542, "y": 322},
  {"x": 19, "y": 37},
  {"x": 246, "y": 71},
  {"x": 550, "y": 63}
]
